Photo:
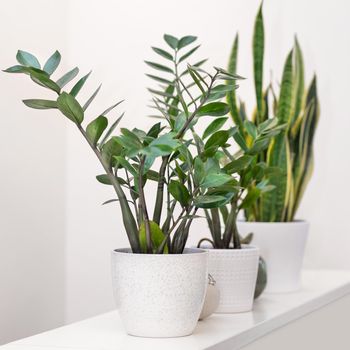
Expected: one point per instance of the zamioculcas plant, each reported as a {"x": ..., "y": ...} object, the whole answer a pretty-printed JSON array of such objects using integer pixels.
[
  {"x": 249, "y": 175},
  {"x": 129, "y": 159},
  {"x": 291, "y": 150}
]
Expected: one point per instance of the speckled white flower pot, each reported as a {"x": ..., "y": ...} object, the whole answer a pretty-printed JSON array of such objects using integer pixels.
[
  {"x": 160, "y": 295},
  {"x": 282, "y": 246},
  {"x": 235, "y": 272}
]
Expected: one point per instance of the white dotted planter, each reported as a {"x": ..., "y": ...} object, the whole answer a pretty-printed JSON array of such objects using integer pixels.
[
  {"x": 282, "y": 245},
  {"x": 160, "y": 295},
  {"x": 235, "y": 272}
]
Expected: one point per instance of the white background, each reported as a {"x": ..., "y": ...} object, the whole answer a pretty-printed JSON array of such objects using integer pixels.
[{"x": 55, "y": 238}]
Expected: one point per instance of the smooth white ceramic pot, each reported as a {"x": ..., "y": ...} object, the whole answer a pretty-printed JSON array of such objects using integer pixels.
[
  {"x": 282, "y": 245},
  {"x": 235, "y": 272},
  {"x": 160, "y": 295}
]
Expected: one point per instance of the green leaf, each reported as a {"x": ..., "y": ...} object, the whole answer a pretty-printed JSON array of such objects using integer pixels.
[
  {"x": 231, "y": 96},
  {"x": 251, "y": 197},
  {"x": 251, "y": 129},
  {"x": 215, "y": 180},
  {"x": 199, "y": 171},
  {"x": 77, "y": 87},
  {"x": 285, "y": 98},
  {"x": 110, "y": 149},
  {"x": 215, "y": 109},
  {"x": 70, "y": 107},
  {"x": 42, "y": 79},
  {"x": 189, "y": 53},
  {"x": 209, "y": 201},
  {"x": 258, "y": 56},
  {"x": 163, "y": 53},
  {"x": 17, "y": 69},
  {"x": 215, "y": 125},
  {"x": 238, "y": 164},
  {"x": 159, "y": 67},
  {"x": 218, "y": 139},
  {"x": 52, "y": 63},
  {"x": 103, "y": 179},
  {"x": 111, "y": 108},
  {"x": 239, "y": 139},
  {"x": 157, "y": 237},
  {"x": 186, "y": 40},
  {"x": 27, "y": 59},
  {"x": 162, "y": 146},
  {"x": 259, "y": 146},
  {"x": 40, "y": 104},
  {"x": 160, "y": 79},
  {"x": 95, "y": 129},
  {"x": 111, "y": 129},
  {"x": 66, "y": 78},
  {"x": 179, "y": 192},
  {"x": 171, "y": 41},
  {"x": 121, "y": 161},
  {"x": 88, "y": 102}
]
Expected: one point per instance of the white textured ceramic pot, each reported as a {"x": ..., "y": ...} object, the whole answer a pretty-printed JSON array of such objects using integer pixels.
[
  {"x": 160, "y": 295},
  {"x": 235, "y": 272},
  {"x": 282, "y": 245}
]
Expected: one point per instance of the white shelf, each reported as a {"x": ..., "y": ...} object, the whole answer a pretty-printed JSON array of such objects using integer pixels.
[{"x": 105, "y": 332}]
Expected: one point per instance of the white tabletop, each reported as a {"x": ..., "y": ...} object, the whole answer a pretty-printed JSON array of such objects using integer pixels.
[{"x": 105, "y": 332}]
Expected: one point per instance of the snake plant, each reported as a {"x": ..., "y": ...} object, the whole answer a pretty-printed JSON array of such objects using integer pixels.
[
  {"x": 186, "y": 180},
  {"x": 292, "y": 149}
]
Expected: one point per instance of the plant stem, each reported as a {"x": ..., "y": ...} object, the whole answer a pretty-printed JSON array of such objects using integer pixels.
[
  {"x": 128, "y": 218},
  {"x": 160, "y": 191},
  {"x": 144, "y": 208}
]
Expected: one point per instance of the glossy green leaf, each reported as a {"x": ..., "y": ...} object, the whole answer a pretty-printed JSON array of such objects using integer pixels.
[
  {"x": 218, "y": 139},
  {"x": 52, "y": 63},
  {"x": 40, "y": 104},
  {"x": 179, "y": 192},
  {"x": 238, "y": 164},
  {"x": 91, "y": 98},
  {"x": 77, "y": 87},
  {"x": 66, "y": 78},
  {"x": 95, "y": 129},
  {"x": 214, "y": 126},
  {"x": 215, "y": 109},
  {"x": 159, "y": 67},
  {"x": 186, "y": 40},
  {"x": 163, "y": 53},
  {"x": 157, "y": 237},
  {"x": 171, "y": 41},
  {"x": 209, "y": 201},
  {"x": 42, "y": 79},
  {"x": 70, "y": 107},
  {"x": 215, "y": 180},
  {"x": 110, "y": 149},
  {"x": 27, "y": 59},
  {"x": 189, "y": 53}
]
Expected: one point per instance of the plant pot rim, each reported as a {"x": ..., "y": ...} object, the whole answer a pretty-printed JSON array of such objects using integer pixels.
[
  {"x": 276, "y": 223},
  {"x": 244, "y": 247},
  {"x": 187, "y": 252}
]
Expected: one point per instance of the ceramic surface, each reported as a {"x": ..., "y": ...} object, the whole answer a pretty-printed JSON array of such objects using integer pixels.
[{"x": 160, "y": 295}]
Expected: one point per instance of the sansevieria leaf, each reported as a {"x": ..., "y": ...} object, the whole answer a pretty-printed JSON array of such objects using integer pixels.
[{"x": 258, "y": 56}]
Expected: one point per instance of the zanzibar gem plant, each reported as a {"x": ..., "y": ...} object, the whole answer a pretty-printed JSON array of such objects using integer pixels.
[
  {"x": 252, "y": 178},
  {"x": 129, "y": 159},
  {"x": 291, "y": 150}
]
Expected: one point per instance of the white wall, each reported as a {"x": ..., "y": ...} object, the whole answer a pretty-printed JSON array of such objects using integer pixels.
[
  {"x": 32, "y": 180},
  {"x": 113, "y": 38}
]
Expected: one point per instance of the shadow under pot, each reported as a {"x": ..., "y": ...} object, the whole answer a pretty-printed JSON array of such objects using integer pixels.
[
  {"x": 282, "y": 246},
  {"x": 235, "y": 272},
  {"x": 159, "y": 295}
]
